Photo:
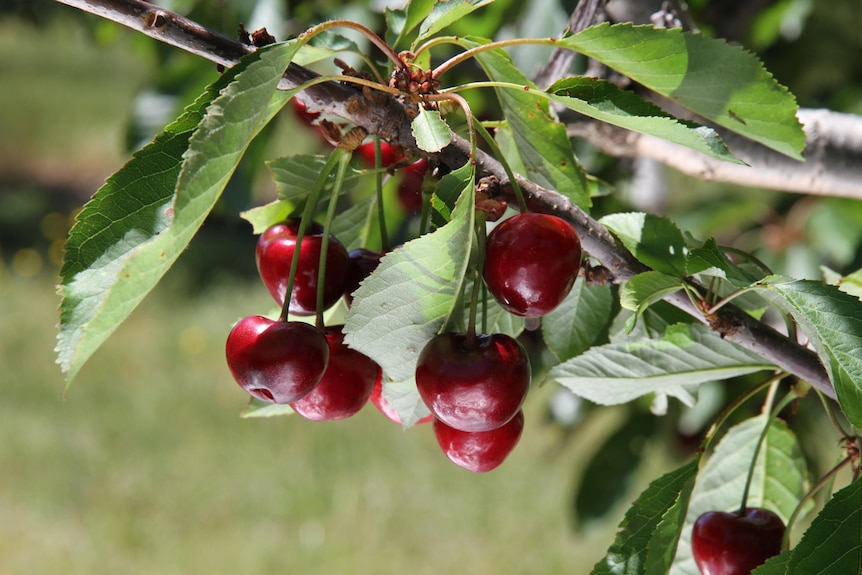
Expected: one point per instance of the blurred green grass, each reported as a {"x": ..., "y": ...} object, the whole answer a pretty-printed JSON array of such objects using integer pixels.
[{"x": 145, "y": 466}]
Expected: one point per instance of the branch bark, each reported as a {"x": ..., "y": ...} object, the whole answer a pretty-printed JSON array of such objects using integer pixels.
[{"x": 386, "y": 117}]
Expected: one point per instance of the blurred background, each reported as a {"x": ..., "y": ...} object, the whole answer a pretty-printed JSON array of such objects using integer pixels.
[{"x": 144, "y": 466}]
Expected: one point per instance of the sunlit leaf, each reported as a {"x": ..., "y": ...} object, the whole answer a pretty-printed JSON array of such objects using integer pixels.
[
  {"x": 430, "y": 130},
  {"x": 654, "y": 240},
  {"x": 446, "y": 12},
  {"x": 575, "y": 324}
]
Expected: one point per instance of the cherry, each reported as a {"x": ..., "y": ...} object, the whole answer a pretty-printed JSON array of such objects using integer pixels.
[
  {"x": 734, "y": 544},
  {"x": 389, "y": 154},
  {"x": 383, "y": 407},
  {"x": 479, "y": 451},
  {"x": 275, "y": 249},
  {"x": 410, "y": 188},
  {"x": 346, "y": 385},
  {"x": 362, "y": 262},
  {"x": 276, "y": 361},
  {"x": 473, "y": 383},
  {"x": 531, "y": 262}
]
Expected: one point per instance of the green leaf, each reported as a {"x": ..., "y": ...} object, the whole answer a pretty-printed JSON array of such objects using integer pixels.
[
  {"x": 645, "y": 289},
  {"x": 721, "y": 82},
  {"x": 411, "y": 296},
  {"x": 143, "y": 218},
  {"x": 324, "y": 46},
  {"x": 709, "y": 259},
  {"x": 604, "y": 101},
  {"x": 543, "y": 145},
  {"x": 403, "y": 398},
  {"x": 850, "y": 283},
  {"x": 578, "y": 321},
  {"x": 353, "y": 226},
  {"x": 688, "y": 355},
  {"x": 607, "y": 476},
  {"x": 446, "y": 12},
  {"x": 662, "y": 546},
  {"x": 832, "y": 320},
  {"x": 258, "y": 408},
  {"x": 266, "y": 215},
  {"x": 295, "y": 176},
  {"x": 778, "y": 483},
  {"x": 654, "y": 240},
  {"x": 629, "y": 550},
  {"x": 774, "y": 565},
  {"x": 833, "y": 542},
  {"x": 430, "y": 130}
]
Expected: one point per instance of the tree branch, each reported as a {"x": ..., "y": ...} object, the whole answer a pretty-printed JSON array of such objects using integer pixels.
[
  {"x": 833, "y": 155},
  {"x": 386, "y": 117}
]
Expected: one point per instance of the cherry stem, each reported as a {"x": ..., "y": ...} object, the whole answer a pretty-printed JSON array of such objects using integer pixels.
[
  {"x": 307, "y": 215},
  {"x": 830, "y": 414},
  {"x": 730, "y": 409},
  {"x": 479, "y": 227},
  {"x": 343, "y": 162},
  {"x": 498, "y": 153},
  {"x": 467, "y": 54},
  {"x": 785, "y": 541},
  {"x": 791, "y": 395},
  {"x": 729, "y": 298},
  {"x": 365, "y": 31},
  {"x": 378, "y": 180}
]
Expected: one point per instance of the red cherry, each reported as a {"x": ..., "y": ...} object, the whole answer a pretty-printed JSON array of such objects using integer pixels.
[
  {"x": 531, "y": 262},
  {"x": 479, "y": 451},
  {"x": 346, "y": 385},
  {"x": 389, "y": 154},
  {"x": 380, "y": 403},
  {"x": 410, "y": 188},
  {"x": 732, "y": 544},
  {"x": 276, "y": 361},
  {"x": 473, "y": 384},
  {"x": 275, "y": 249},
  {"x": 362, "y": 263}
]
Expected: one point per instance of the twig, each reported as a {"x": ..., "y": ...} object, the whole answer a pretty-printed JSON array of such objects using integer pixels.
[{"x": 386, "y": 117}]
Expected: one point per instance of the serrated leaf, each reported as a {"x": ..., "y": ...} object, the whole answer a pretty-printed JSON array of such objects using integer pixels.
[
  {"x": 431, "y": 131},
  {"x": 144, "y": 217},
  {"x": 663, "y": 543},
  {"x": 258, "y": 408},
  {"x": 446, "y": 12},
  {"x": 778, "y": 481},
  {"x": 832, "y": 320},
  {"x": 686, "y": 356},
  {"x": 723, "y": 83},
  {"x": 645, "y": 289},
  {"x": 833, "y": 542},
  {"x": 654, "y": 240},
  {"x": 709, "y": 259},
  {"x": 294, "y": 176},
  {"x": 774, "y": 565},
  {"x": 575, "y": 324},
  {"x": 604, "y": 101},
  {"x": 266, "y": 215},
  {"x": 543, "y": 145},
  {"x": 353, "y": 226},
  {"x": 629, "y": 550},
  {"x": 412, "y": 294}
]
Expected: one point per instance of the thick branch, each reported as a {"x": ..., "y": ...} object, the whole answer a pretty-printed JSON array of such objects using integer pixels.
[
  {"x": 833, "y": 155},
  {"x": 387, "y": 118}
]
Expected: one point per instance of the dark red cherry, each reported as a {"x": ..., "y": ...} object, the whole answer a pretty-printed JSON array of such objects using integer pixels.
[
  {"x": 276, "y": 361},
  {"x": 531, "y": 263},
  {"x": 733, "y": 544},
  {"x": 479, "y": 451},
  {"x": 362, "y": 262},
  {"x": 410, "y": 188},
  {"x": 275, "y": 249},
  {"x": 345, "y": 386},
  {"x": 383, "y": 407},
  {"x": 473, "y": 384},
  {"x": 389, "y": 154}
]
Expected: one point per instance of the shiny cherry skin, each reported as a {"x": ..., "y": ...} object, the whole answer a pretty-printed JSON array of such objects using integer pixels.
[
  {"x": 389, "y": 154},
  {"x": 479, "y": 451},
  {"x": 473, "y": 384},
  {"x": 531, "y": 263},
  {"x": 345, "y": 386},
  {"x": 410, "y": 188},
  {"x": 274, "y": 253},
  {"x": 733, "y": 544},
  {"x": 383, "y": 407},
  {"x": 276, "y": 361},
  {"x": 362, "y": 262}
]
